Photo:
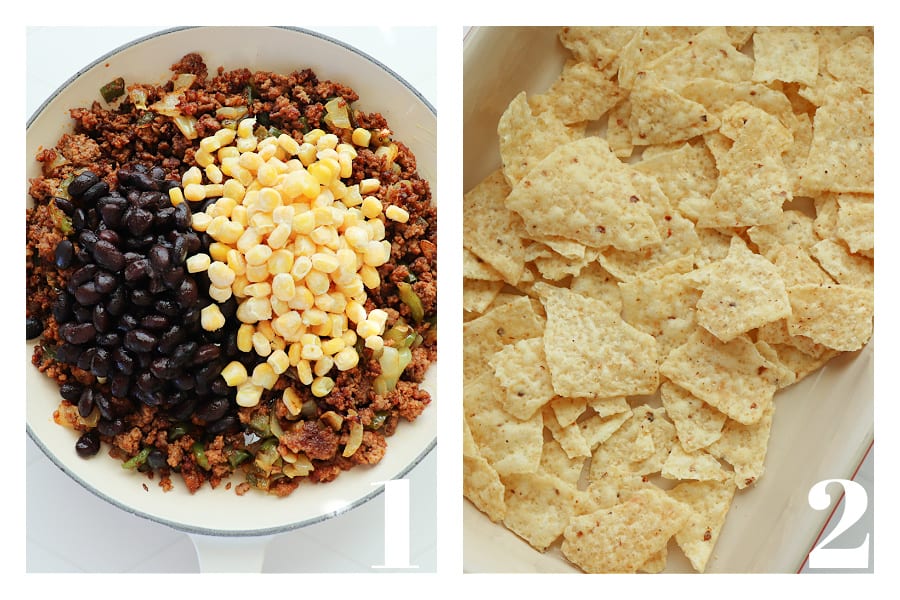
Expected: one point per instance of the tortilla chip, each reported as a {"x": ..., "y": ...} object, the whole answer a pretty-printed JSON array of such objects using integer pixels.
[
  {"x": 836, "y": 316},
  {"x": 556, "y": 461},
  {"x": 481, "y": 483},
  {"x": 796, "y": 266},
  {"x": 697, "y": 424},
  {"x": 709, "y": 503},
  {"x": 744, "y": 447},
  {"x": 509, "y": 444},
  {"x": 647, "y": 44},
  {"x": 724, "y": 375},
  {"x": 539, "y": 506},
  {"x": 596, "y": 282},
  {"x": 597, "y": 429},
  {"x": 842, "y": 155},
  {"x": 567, "y": 410},
  {"x": 845, "y": 268},
  {"x": 793, "y": 227},
  {"x": 854, "y": 62},
  {"x": 492, "y": 232},
  {"x": 597, "y": 45},
  {"x": 622, "y": 538},
  {"x": 684, "y": 175},
  {"x": 709, "y": 53},
  {"x": 478, "y": 295},
  {"x": 660, "y": 115},
  {"x": 476, "y": 269},
  {"x": 594, "y": 200},
  {"x": 591, "y": 351},
  {"x": 521, "y": 370},
  {"x": 717, "y": 96},
  {"x": 744, "y": 292},
  {"x": 791, "y": 55},
  {"x": 570, "y": 438},
  {"x": 606, "y": 407},
  {"x": 856, "y": 221},
  {"x": 698, "y": 465},
  {"x": 504, "y": 324},
  {"x": 582, "y": 92},
  {"x": 617, "y": 133}
]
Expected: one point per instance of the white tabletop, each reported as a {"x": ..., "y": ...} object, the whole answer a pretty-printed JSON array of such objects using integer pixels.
[{"x": 68, "y": 529}]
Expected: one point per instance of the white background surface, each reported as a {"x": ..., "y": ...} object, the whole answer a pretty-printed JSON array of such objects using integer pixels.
[{"x": 68, "y": 529}]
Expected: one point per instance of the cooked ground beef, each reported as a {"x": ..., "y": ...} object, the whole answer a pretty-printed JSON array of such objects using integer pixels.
[{"x": 106, "y": 138}]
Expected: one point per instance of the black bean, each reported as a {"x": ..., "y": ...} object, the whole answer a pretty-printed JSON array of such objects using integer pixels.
[
  {"x": 33, "y": 328},
  {"x": 108, "y": 256},
  {"x": 141, "y": 297},
  {"x": 87, "y": 294},
  {"x": 110, "y": 236},
  {"x": 102, "y": 320},
  {"x": 82, "y": 182},
  {"x": 167, "y": 307},
  {"x": 64, "y": 254},
  {"x": 137, "y": 270},
  {"x": 92, "y": 219},
  {"x": 138, "y": 220},
  {"x": 148, "y": 382},
  {"x": 229, "y": 307},
  {"x": 83, "y": 275},
  {"x": 110, "y": 427},
  {"x": 164, "y": 217},
  {"x": 174, "y": 277},
  {"x": 155, "y": 322},
  {"x": 164, "y": 368},
  {"x": 156, "y": 459},
  {"x": 182, "y": 216},
  {"x": 139, "y": 340},
  {"x": 84, "y": 361},
  {"x": 86, "y": 402},
  {"x": 87, "y": 238},
  {"x": 160, "y": 259},
  {"x": 62, "y": 307},
  {"x": 156, "y": 285},
  {"x": 79, "y": 219},
  {"x": 110, "y": 341},
  {"x": 187, "y": 293},
  {"x": 119, "y": 385},
  {"x": 158, "y": 175},
  {"x": 71, "y": 391},
  {"x": 77, "y": 333},
  {"x": 123, "y": 361},
  {"x": 111, "y": 211},
  {"x": 127, "y": 322},
  {"x": 191, "y": 317},
  {"x": 100, "y": 363},
  {"x": 88, "y": 444},
  {"x": 144, "y": 182},
  {"x": 105, "y": 283},
  {"x": 68, "y": 353},
  {"x": 219, "y": 387},
  {"x": 118, "y": 301},
  {"x": 90, "y": 195},
  {"x": 223, "y": 425},
  {"x": 183, "y": 354},
  {"x": 213, "y": 410},
  {"x": 206, "y": 354},
  {"x": 83, "y": 314},
  {"x": 64, "y": 205}
]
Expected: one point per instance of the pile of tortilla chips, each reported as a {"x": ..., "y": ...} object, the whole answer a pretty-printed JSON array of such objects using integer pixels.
[{"x": 681, "y": 227}]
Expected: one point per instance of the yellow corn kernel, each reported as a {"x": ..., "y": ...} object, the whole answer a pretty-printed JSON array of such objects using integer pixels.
[
  {"x": 248, "y": 394},
  {"x": 253, "y": 310},
  {"x": 262, "y": 222},
  {"x": 245, "y": 337},
  {"x": 283, "y": 286},
  {"x": 219, "y": 294},
  {"x": 224, "y": 136},
  {"x": 317, "y": 282},
  {"x": 355, "y": 311},
  {"x": 257, "y": 273},
  {"x": 195, "y": 192},
  {"x": 323, "y": 329},
  {"x": 233, "y": 189},
  {"x": 369, "y": 186},
  {"x": 294, "y": 353},
  {"x": 301, "y": 267},
  {"x": 245, "y": 176},
  {"x": 321, "y": 172},
  {"x": 234, "y": 373},
  {"x": 361, "y": 137},
  {"x": 284, "y": 215},
  {"x": 227, "y": 152},
  {"x": 366, "y": 329},
  {"x": 250, "y": 238},
  {"x": 304, "y": 372},
  {"x": 304, "y": 223},
  {"x": 261, "y": 289},
  {"x": 303, "y": 298},
  {"x": 213, "y": 190},
  {"x": 323, "y": 366},
  {"x": 370, "y": 277},
  {"x": 176, "y": 196},
  {"x": 371, "y": 207},
  {"x": 261, "y": 344},
  {"x": 375, "y": 343},
  {"x": 327, "y": 141},
  {"x": 324, "y": 262},
  {"x": 292, "y": 401},
  {"x": 265, "y": 328},
  {"x": 210, "y": 144},
  {"x": 321, "y": 386},
  {"x": 251, "y": 161},
  {"x": 214, "y": 174},
  {"x": 218, "y": 251},
  {"x": 312, "y": 137},
  {"x": 240, "y": 282},
  {"x": 197, "y": 263},
  {"x": 311, "y": 352},
  {"x": 346, "y": 359},
  {"x": 219, "y": 273},
  {"x": 211, "y": 318},
  {"x": 354, "y": 288},
  {"x": 376, "y": 229},
  {"x": 395, "y": 213},
  {"x": 258, "y": 254},
  {"x": 289, "y": 326},
  {"x": 332, "y": 346},
  {"x": 279, "y": 361},
  {"x": 235, "y": 261},
  {"x": 245, "y": 127},
  {"x": 215, "y": 226},
  {"x": 264, "y": 376},
  {"x": 350, "y": 338},
  {"x": 279, "y": 236},
  {"x": 192, "y": 176},
  {"x": 326, "y": 235},
  {"x": 239, "y": 216},
  {"x": 374, "y": 254},
  {"x": 269, "y": 199},
  {"x": 338, "y": 325},
  {"x": 290, "y": 145},
  {"x": 281, "y": 261},
  {"x": 203, "y": 158},
  {"x": 279, "y": 307}
]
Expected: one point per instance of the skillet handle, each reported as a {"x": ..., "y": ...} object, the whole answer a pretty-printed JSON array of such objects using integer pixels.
[{"x": 230, "y": 554}]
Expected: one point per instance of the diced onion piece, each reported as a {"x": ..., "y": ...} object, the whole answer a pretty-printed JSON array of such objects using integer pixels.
[
  {"x": 355, "y": 440},
  {"x": 336, "y": 113},
  {"x": 183, "y": 81},
  {"x": 187, "y": 126}
]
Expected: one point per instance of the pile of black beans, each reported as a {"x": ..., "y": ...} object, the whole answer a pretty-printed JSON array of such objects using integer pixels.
[{"x": 130, "y": 313}]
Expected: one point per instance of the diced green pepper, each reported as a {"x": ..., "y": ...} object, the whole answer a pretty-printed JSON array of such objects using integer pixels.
[
  {"x": 113, "y": 89},
  {"x": 137, "y": 460},
  {"x": 409, "y": 297},
  {"x": 200, "y": 456}
]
